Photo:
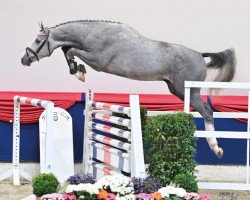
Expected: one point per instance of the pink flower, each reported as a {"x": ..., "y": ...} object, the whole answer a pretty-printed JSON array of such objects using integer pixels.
[
  {"x": 69, "y": 197},
  {"x": 205, "y": 197},
  {"x": 192, "y": 196},
  {"x": 144, "y": 196},
  {"x": 53, "y": 196},
  {"x": 111, "y": 196}
]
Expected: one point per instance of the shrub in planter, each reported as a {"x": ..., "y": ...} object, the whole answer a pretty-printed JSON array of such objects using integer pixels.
[
  {"x": 45, "y": 184},
  {"x": 186, "y": 181},
  {"x": 171, "y": 145}
]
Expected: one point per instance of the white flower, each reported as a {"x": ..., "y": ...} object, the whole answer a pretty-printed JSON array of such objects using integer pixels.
[
  {"x": 164, "y": 192},
  {"x": 180, "y": 192},
  {"x": 117, "y": 183},
  {"x": 70, "y": 188},
  {"x": 171, "y": 190},
  {"x": 87, "y": 187}
]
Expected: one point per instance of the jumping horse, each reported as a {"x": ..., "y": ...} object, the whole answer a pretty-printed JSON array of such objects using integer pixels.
[{"x": 116, "y": 48}]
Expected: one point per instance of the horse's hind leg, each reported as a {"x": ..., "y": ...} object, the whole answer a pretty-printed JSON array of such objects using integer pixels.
[
  {"x": 207, "y": 113},
  {"x": 203, "y": 108}
]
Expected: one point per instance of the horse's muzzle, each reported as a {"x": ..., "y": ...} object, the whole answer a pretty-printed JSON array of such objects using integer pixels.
[{"x": 25, "y": 62}]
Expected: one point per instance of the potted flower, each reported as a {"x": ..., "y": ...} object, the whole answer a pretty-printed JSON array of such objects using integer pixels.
[
  {"x": 118, "y": 185},
  {"x": 83, "y": 191},
  {"x": 44, "y": 184}
]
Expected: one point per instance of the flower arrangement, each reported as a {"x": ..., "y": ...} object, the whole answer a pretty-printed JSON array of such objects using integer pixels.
[
  {"x": 80, "y": 178},
  {"x": 170, "y": 191},
  {"x": 119, "y": 187},
  {"x": 146, "y": 185},
  {"x": 144, "y": 196},
  {"x": 53, "y": 196},
  {"x": 192, "y": 196},
  {"x": 83, "y": 191},
  {"x": 117, "y": 184},
  {"x": 205, "y": 197}
]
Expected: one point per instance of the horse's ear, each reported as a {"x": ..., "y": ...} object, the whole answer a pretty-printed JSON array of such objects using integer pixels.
[
  {"x": 46, "y": 31},
  {"x": 41, "y": 26}
]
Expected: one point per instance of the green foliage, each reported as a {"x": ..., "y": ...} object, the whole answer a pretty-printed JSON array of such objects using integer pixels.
[
  {"x": 45, "y": 184},
  {"x": 143, "y": 112},
  {"x": 186, "y": 181},
  {"x": 173, "y": 198},
  {"x": 85, "y": 195},
  {"x": 170, "y": 145}
]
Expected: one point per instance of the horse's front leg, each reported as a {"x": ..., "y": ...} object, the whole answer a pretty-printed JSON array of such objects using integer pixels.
[
  {"x": 96, "y": 60},
  {"x": 74, "y": 69}
]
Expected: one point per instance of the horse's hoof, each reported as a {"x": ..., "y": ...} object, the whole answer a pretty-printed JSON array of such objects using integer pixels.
[
  {"x": 220, "y": 152},
  {"x": 81, "y": 77}
]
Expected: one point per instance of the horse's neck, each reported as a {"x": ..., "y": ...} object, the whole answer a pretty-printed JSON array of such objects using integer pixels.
[
  {"x": 64, "y": 36},
  {"x": 73, "y": 33}
]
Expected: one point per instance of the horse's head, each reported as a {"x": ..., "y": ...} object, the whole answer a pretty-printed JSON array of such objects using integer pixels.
[{"x": 39, "y": 48}]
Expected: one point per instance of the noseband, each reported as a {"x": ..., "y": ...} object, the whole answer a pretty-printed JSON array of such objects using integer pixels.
[{"x": 35, "y": 53}]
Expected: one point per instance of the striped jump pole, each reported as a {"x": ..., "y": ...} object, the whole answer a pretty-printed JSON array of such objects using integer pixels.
[
  {"x": 110, "y": 107},
  {"x": 110, "y": 130},
  {"x": 109, "y": 141},
  {"x": 114, "y": 155},
  {"x": 111, "y": 156},
  {"x": 112, "y": 119},
  {"x": 49, "y": 107},
  {"x": 101, "y": 170}
]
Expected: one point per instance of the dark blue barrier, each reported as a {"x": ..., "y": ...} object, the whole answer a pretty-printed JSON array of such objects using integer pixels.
[
  {"x": 234, "y": 150},
  {"x": 29, "y": 140}
]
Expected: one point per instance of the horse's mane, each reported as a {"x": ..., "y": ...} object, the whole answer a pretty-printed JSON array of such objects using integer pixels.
[{"x": 104, "y": 21}]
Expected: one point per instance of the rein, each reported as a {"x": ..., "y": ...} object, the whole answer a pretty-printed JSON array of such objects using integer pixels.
[{"x": 35, "y": 53}]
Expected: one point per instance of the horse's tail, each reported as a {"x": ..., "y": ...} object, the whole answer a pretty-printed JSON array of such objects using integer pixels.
[{"x": 225, "y": 61}]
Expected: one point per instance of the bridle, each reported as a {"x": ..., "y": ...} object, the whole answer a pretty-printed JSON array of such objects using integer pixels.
[{"x": 35, "y": 53}]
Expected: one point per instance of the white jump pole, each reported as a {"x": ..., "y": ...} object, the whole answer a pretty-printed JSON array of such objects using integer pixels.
[
  {"x": 137, "y": 156},
  {"x": 248, "y": 131},
  {"x": 187, "y": 99},
  {"x": 86, "y": 146}
]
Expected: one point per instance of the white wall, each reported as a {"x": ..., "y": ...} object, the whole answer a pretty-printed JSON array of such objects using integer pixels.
[{"x": 204, "y": 25}]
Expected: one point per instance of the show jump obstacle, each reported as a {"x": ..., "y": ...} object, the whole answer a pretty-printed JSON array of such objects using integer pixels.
[
  {"x": 104, "y": 150},
  {"x": 49, "y": 107},
  {"x": 223, "y": 134}
]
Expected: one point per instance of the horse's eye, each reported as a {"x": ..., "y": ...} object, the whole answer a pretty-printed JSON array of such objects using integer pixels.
[{"x": 37, "y": 41}]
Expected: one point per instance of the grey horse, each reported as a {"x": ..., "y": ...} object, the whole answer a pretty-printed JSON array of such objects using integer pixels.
[{"x": 116, "y": 48}]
